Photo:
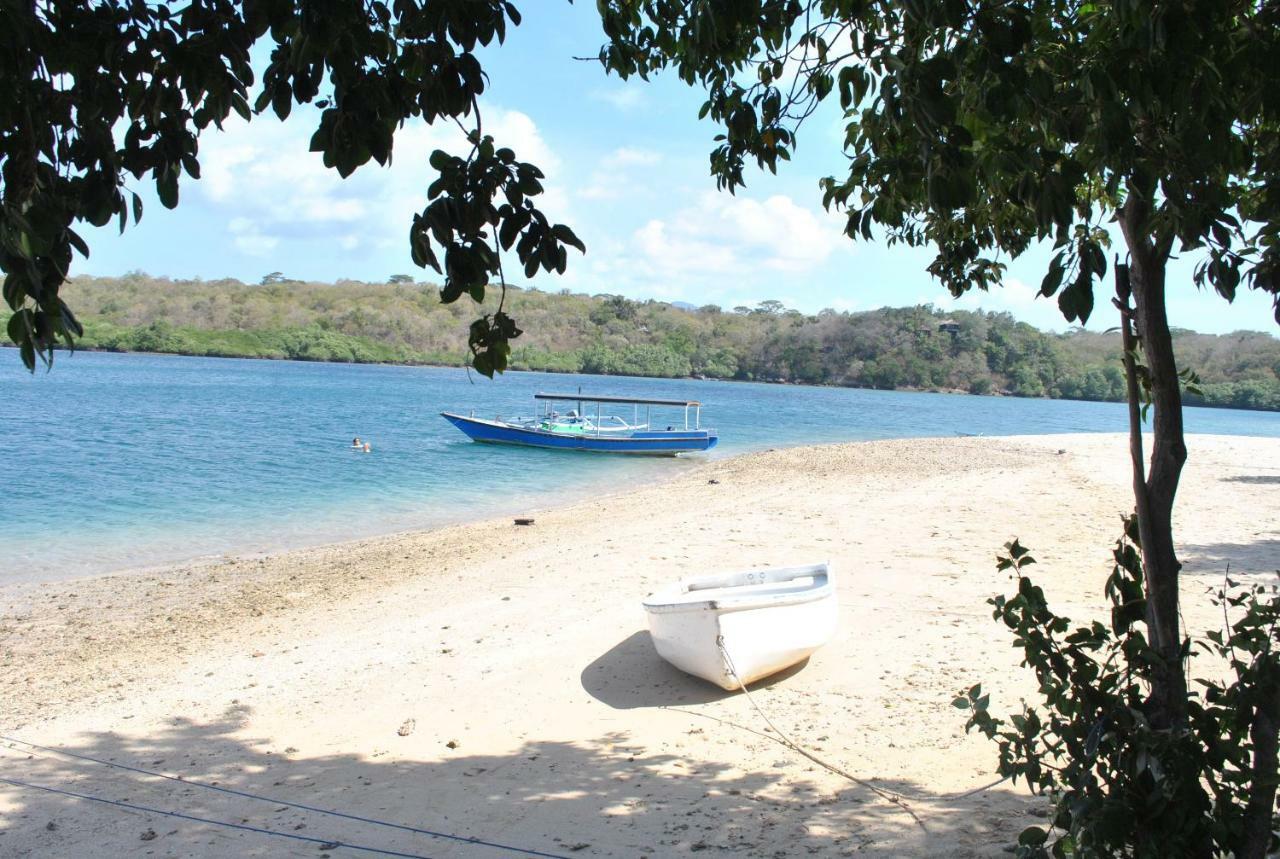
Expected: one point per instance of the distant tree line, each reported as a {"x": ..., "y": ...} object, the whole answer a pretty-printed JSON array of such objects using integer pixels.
[{"x": 914, "y": 348}]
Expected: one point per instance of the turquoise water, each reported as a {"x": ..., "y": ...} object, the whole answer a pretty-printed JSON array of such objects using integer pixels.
[{"x": 120, "y": 461}]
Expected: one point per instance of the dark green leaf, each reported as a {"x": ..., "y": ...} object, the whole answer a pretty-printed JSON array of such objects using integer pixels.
[{"x": 1033, "y": 836}]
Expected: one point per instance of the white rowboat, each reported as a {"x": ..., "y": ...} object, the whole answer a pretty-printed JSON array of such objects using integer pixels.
[{"x": 743, "y": 626}]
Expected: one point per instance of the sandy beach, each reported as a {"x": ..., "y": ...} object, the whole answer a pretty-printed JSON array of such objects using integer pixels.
[{"x": 497, "y": 682}]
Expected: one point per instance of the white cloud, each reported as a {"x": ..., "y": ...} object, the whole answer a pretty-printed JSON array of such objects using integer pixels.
[
  {"x": 627, "y": 156},
  {"x": 623, "y": 99},
  {"x": 518, "y": 131},
  {"x": 720, "y": 248},
  {"x": 725, "y": 234},
  {"x": 256, "y": 245},
  {"x": 220, "y": 162},
  {"x": 672, "y": 250},
  {"x": 613, "y": 177},
  {"x": 274, "y": 193},
  {"x": 598, "y": 191},
  {"x": 250, "y": 239}
]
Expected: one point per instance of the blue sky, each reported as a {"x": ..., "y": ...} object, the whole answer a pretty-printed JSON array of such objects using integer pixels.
[{"x": 626, "y": 167}]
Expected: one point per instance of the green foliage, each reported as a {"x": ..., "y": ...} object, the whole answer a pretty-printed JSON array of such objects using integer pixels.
[
  {"x": 614, "y": 308},
  {"x": 635, "y": 360},
  {"x": 716, "y": 362},
  {"x": 300, "y": 344},
  {"x": 916, "y": 348},
  {"x": 1261, "y": 394},
  {"x": 529, "y": 358},
  {"x": 97, "y": 95},
  {"x": 1120, "y": 787}
]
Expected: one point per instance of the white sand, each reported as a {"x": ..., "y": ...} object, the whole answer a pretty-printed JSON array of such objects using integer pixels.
[{"x": 295, "y": 675}]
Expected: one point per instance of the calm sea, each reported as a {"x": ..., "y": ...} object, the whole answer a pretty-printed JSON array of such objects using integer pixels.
[{"x": 121, "y": 461}]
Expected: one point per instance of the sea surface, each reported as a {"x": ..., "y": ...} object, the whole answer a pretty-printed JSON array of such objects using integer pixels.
[{"x": 125, "y": 461}]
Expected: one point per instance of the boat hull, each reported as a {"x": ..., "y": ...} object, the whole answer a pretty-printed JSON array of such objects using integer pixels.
[
  {"x": 652, "y": 443},
  {"x": 734, "y": 630}
]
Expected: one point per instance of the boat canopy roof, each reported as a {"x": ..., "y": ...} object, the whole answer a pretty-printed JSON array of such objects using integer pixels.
[{"x": 581, "y": 398}]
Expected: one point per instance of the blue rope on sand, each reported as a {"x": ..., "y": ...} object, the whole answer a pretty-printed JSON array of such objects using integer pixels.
[
  {"x": 324, "y": 842},
  {"x": 417, "y": 830}
]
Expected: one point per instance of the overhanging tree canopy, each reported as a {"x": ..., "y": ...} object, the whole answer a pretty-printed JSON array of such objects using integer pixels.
[
  {"x": 981, "y": 128},
  {"x": 984, "y": 127},
  {"x": 97, "y": 94}
]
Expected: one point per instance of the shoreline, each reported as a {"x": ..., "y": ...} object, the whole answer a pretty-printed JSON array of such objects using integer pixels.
[
  {"x": 571, "y": 497},
  {"x": 294, "y": 675},
  {"x": 498, "y": 515},
  {"x": 249, "y": 555},
  {"x": 994, "y": 394}
]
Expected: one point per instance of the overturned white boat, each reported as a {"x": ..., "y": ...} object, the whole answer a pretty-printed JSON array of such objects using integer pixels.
[{"x": 743, "y": 626}]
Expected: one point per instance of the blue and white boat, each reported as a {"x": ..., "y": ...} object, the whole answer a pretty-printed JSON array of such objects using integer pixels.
[{"x": 579, "y": 427}]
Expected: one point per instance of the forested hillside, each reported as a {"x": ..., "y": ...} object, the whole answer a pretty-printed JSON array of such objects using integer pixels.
[{"x": 916, "y": 348}]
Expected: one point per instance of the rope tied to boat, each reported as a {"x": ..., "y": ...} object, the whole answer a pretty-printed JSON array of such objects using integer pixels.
[{"x": 784, "y": 739}]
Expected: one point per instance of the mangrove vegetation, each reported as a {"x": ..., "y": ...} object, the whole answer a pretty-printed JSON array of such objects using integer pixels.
[{"x": 912, "y": 348}]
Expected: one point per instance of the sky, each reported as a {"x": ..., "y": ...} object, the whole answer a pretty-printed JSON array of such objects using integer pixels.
[{"x": 627, "y": 169}]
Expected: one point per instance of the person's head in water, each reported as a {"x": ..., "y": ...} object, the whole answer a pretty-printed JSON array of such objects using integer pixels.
[
  {"x": 367, "y": 448},
  {"x": 355, "y": 442}
]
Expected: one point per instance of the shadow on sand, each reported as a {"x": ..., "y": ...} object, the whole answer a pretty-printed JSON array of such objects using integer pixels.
[
  {"x": 597, "y": 797},
  {"x": 611, "y": 678},
  {"x": 1259, "y": 556}
]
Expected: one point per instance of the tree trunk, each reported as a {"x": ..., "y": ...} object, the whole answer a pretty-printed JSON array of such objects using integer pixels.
[
  {"x": 1169, "y": 452},
  {"x": 1155, "y": 497}
]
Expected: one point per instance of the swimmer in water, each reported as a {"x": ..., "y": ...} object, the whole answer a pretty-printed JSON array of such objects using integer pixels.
[
  {"x": 355, "y": 442},
  {"x": 367, "y": 448}
]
